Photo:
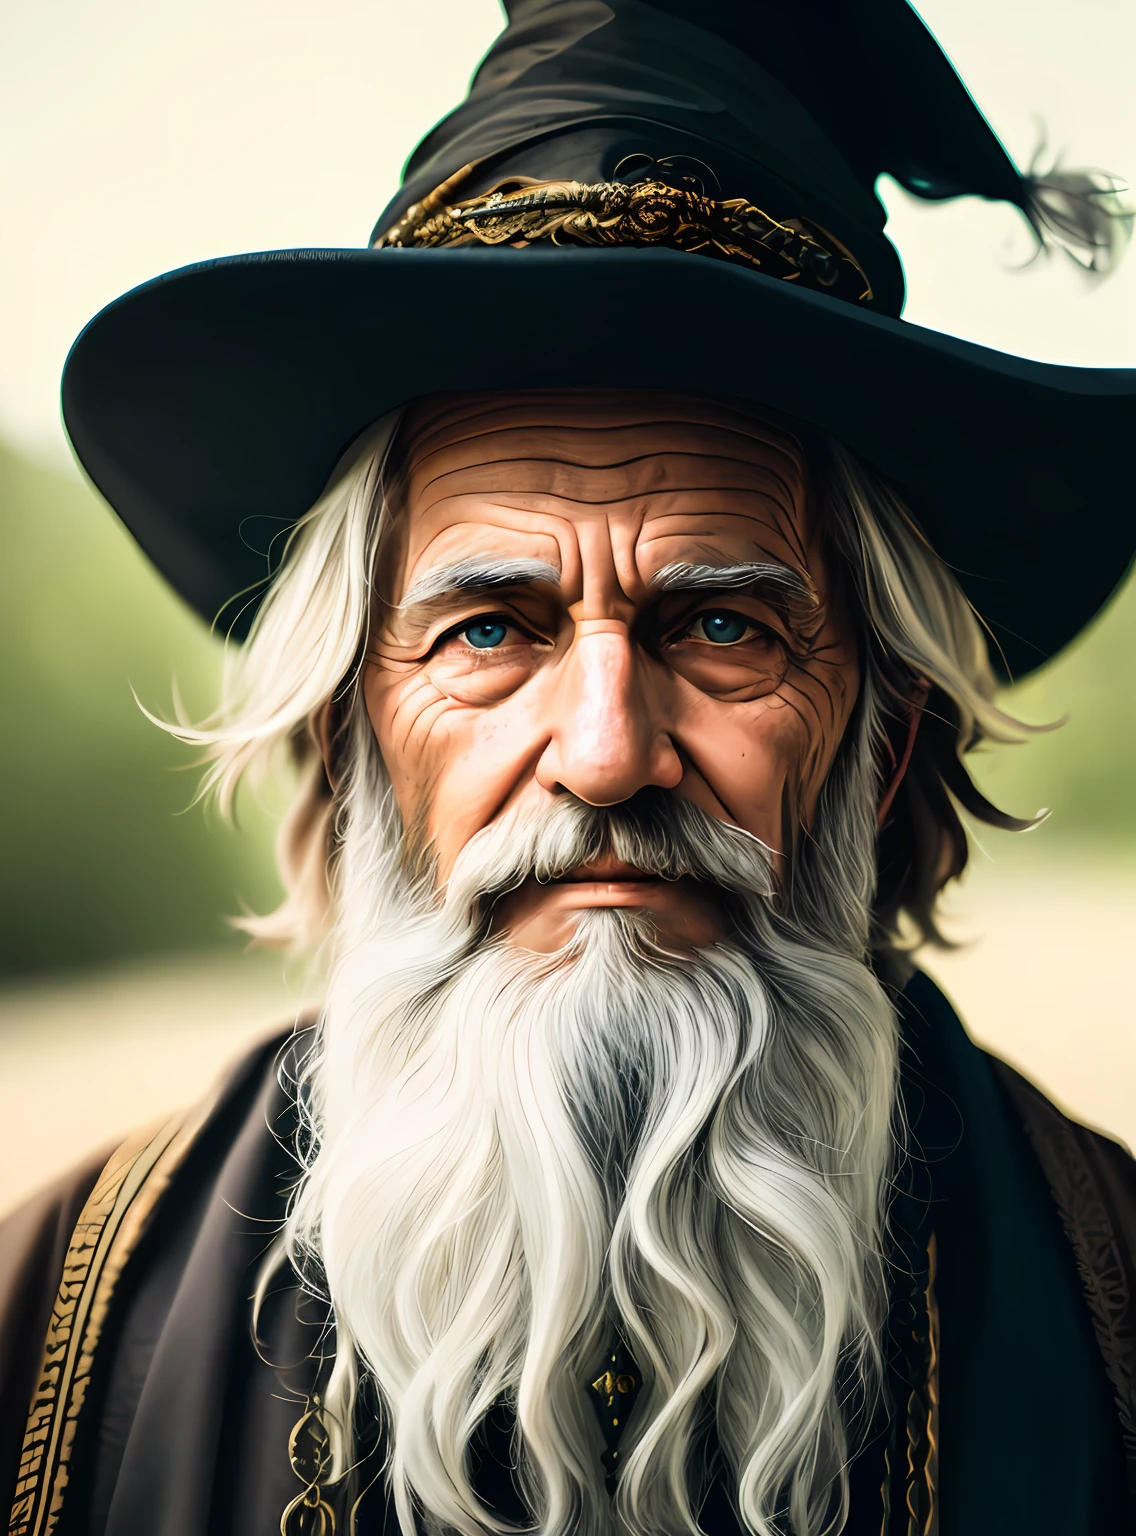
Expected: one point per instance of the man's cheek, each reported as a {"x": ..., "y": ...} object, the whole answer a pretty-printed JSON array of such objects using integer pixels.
[
  {"x": 751, "y": 758},
  {"x": 825, "y": 700},
  {"x": 412, "y": 727},
  {"x": 748, "y": 739},
  {"x": 481, "y": 761},
  {"x": 479, "y": 686},
  {"x": 409, "y": 719}
]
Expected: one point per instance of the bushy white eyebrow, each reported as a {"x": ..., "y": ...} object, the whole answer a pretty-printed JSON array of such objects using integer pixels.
[
  {"x": 681, "y": 576},
  {"x": 479, "y": 573}
]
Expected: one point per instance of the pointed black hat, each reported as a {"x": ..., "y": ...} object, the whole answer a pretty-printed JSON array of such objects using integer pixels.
[{"x": 640, "y": 194}]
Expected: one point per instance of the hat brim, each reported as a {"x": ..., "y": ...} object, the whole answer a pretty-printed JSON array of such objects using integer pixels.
[{"x": 210, "y": 406}]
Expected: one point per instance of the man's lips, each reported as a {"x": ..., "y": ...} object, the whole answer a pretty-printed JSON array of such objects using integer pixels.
[
  {"x": 541, "y": 914},
  {"x": 608, "y": 870}
]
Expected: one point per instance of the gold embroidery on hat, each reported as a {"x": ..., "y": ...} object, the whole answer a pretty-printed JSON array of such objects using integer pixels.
[{"x": 522, "y": 211}]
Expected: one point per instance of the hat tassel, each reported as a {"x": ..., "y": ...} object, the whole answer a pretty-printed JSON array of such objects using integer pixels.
[{"x": 1078, "y": 211}]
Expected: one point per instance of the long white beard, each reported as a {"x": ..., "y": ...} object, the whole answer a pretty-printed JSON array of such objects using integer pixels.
[{"x": 517, "y": 1157}]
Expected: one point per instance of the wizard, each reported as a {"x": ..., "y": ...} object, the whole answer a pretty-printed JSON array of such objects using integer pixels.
[{"x": 622, "y": 587}]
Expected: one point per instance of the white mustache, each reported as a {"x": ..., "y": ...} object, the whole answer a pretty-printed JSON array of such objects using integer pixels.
[{"x": 660, "y": 834}]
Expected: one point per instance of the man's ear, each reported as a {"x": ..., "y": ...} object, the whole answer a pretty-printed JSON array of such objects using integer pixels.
[{"x": 899, "y": 764}]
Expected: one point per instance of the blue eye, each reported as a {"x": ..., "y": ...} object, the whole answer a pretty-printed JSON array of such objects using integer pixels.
[
  {"x": 486, "y": 634},
  {"x": 722, "y": 628}
]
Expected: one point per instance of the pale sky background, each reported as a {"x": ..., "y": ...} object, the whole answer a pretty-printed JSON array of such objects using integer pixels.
[{"x": 139, "y": 135}]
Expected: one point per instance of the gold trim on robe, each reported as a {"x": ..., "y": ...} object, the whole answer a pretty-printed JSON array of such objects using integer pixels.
[{"x": 110, "y": 1225}]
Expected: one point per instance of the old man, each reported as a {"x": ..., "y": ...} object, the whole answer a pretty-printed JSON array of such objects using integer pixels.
[{"x": 630, "y": 1178}]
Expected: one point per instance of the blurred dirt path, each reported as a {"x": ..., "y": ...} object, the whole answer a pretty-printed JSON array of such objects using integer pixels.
[
  {"x": 82, "y": 1061},
  {"x": 1047, "y": 981}
]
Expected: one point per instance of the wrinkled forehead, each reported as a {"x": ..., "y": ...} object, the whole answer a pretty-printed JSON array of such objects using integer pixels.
[{"x": 592, "y": 448}]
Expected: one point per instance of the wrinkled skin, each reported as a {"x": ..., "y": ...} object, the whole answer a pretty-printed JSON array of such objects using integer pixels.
[{"x": 488, "y": 699}]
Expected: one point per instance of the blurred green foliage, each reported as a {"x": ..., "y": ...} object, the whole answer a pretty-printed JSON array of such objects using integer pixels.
[
  {"x": 1083, "y": 771},
  {"x": 103, "y": 854}
]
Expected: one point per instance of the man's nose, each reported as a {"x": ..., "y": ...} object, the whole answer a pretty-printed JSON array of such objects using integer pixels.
[{"x": 607, "y": 739}]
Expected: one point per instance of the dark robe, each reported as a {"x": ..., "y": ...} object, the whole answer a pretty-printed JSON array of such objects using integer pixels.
[{"x": 154, "y": 1410}]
